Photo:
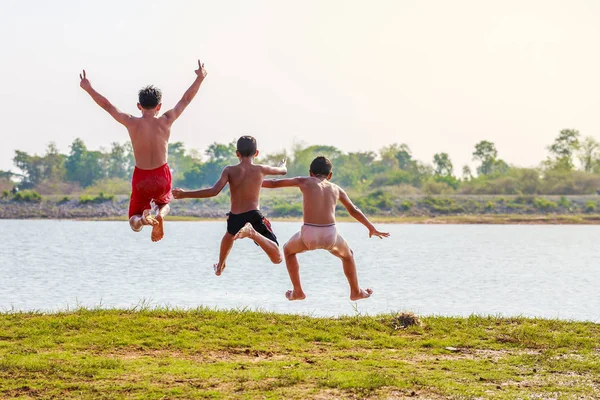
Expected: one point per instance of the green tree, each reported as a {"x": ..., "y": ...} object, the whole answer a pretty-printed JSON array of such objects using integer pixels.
[
  {"x": 302, "y": 157},
  {"x": 442, "y": 164},
  {"x": 467, "y": 175},
  {"x": 562, "y": 150},
  {"x": 119, "y": 161},
  {"x": 588, "y": 153},
  {"x": 354, "y": 169},
  {"x": 83, "y": 166},
  {"x": 220, "y": 152},
  {"x": 179, "y": 161},
  {"x": 53, "y": 164},
  {"x": 32, "y": 167},
  {"x": 397, "y": 155},
  {"x": 486, "y": 153},
  {"x": 6, "y": 174}
]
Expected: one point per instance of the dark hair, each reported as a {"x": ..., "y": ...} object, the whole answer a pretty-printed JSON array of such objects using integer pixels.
[
  {"x": 149, "y": 97},
  {"x": 321, "y": 166},
  {"x": 246, "y": 145}
]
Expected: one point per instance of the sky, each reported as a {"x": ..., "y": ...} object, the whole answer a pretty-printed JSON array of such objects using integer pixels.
[{"x": 437, "y": 75}]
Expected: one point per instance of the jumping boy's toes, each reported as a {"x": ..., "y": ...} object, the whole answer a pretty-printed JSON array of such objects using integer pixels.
[
  {"x": 246, "y": 232},
  {"x": 218, "y": 269},
  {"x": 148, "y": 219},
  {"x": 363, "y": 294},
  {"x": 292, "y": 295},
  {"x": 158, "y": 229}
]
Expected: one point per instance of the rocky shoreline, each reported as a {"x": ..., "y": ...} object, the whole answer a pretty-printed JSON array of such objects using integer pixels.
[{"x": 417, "y": 209}]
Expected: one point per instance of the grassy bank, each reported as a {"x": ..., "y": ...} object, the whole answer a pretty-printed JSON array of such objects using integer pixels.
[{"x": 241, "y": 354}]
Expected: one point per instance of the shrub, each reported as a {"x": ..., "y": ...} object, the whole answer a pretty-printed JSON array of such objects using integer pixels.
[
  {"x": 543, "y": 204},
  {"x": 433, "y": 187},
  {"x": 524, "y": 199},
  {"x": 101, "y": 198},
  {"x": 563, "y": 202},
  {"x": 490, "y": 206},
  {"x": 590, "y": 206},
  {"x": 381, "y": 200},
  {"x": 64, "y": 200},
  {"x": 28, "y": 196},
  {"x": 406, "y": 205},
  {"x": 5, "y": 194},
  {"x": 442, "y": 205}
]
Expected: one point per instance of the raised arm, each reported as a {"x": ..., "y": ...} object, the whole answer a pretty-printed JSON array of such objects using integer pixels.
[
  {"x": 280, "y": 170},
  {"x": 188, "y": 96},
  {"x": 204, "y": 193},
  {"x": 121, "y": 117},
  {"x": 359, "y": 216},
  {"x": 279, "y": 183}
]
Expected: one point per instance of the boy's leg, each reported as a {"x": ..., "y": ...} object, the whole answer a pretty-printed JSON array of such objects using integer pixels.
[
  {"x": 158, "y": 229},
  {"x": 343, "y": 251},
  {"x": 267, "y": 245},
  {"x": 226, "y": 245},
  {"x": 294, "y": 246}
]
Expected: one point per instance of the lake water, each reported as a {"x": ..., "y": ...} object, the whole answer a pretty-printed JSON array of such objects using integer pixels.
[{"x": 530, "y": 270}]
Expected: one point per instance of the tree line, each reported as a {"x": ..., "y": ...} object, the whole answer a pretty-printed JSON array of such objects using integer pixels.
[{"x": 571, "y": 167}]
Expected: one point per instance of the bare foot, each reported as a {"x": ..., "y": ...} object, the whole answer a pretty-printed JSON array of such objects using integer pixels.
[
  {"x": 148, "y": 219},
  {"x": 218, "y": 269},
  {"x": 246, "y": 232},
  {"x": 292, "y": 295},
  {"x": 363, "y": 294},
  {"x": 158, "y": 229}
]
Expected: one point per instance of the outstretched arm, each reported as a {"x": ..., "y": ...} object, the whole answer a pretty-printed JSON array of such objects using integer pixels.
[
  {"x": 203, "y": 193},
  {"x": 188, "y": 96},
  {"x": 279, "y": 183},
  {"x": 359, "y": 216},
  {"x": 121, "y": 117},
  {"x": 280, "y": 170}
]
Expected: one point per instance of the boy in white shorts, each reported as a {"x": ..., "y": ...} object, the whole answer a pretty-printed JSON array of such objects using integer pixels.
[{"x": 319, "y": 231}]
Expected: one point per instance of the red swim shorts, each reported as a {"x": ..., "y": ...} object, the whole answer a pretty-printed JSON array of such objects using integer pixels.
[{"x": 148, "y": 184}]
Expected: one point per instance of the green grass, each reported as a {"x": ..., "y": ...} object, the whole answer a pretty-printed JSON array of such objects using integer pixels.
[{"x": 241, "y": 354}]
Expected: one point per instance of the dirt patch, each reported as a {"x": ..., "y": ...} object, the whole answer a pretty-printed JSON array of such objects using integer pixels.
[{"x": 232, "y": 355}]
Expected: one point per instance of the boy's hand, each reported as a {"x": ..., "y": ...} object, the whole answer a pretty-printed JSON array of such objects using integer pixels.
[
  {"x": 380, "y": 235},
  {"x": 178, "y": 193},
  {"x": 201, "y": 72},
  {"x": 84, "y": 83}
]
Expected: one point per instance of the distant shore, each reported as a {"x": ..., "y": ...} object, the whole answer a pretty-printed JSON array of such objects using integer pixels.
[
  {"x": 501, "y": 210},
  {"x": 424, "y": 220}
]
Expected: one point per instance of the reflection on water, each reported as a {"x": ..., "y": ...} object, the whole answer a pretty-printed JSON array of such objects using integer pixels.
[{"x": 547, "y": 271}]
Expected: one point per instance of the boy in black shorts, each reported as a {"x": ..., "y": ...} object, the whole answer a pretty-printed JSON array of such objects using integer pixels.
[{"x": 245, "y": 220}]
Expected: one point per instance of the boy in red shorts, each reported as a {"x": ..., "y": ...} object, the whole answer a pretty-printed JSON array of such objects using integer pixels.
[{"x": 149, "y": 135}]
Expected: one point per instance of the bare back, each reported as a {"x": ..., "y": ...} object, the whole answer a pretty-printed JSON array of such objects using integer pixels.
[
  {"x": 149, "y": 138},
  {"x": 320, "y": 199},
  {"x": 245, "y": 181}
]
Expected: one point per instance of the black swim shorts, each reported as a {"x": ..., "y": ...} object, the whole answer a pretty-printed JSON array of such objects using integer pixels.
[{"x": 235, "y": 222}]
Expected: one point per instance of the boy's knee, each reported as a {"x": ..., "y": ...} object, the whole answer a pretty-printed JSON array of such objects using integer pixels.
[
  {"x": 286, "y": 250},
  {"x": 277, "y": 259},
  {"x": 349, "y": 255},
  {"x": 133, "y": 223}
]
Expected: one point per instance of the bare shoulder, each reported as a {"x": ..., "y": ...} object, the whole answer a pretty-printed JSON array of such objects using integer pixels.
[
  {"x": 303, "y": 180},
  {"x": 338, "y": 190}
]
